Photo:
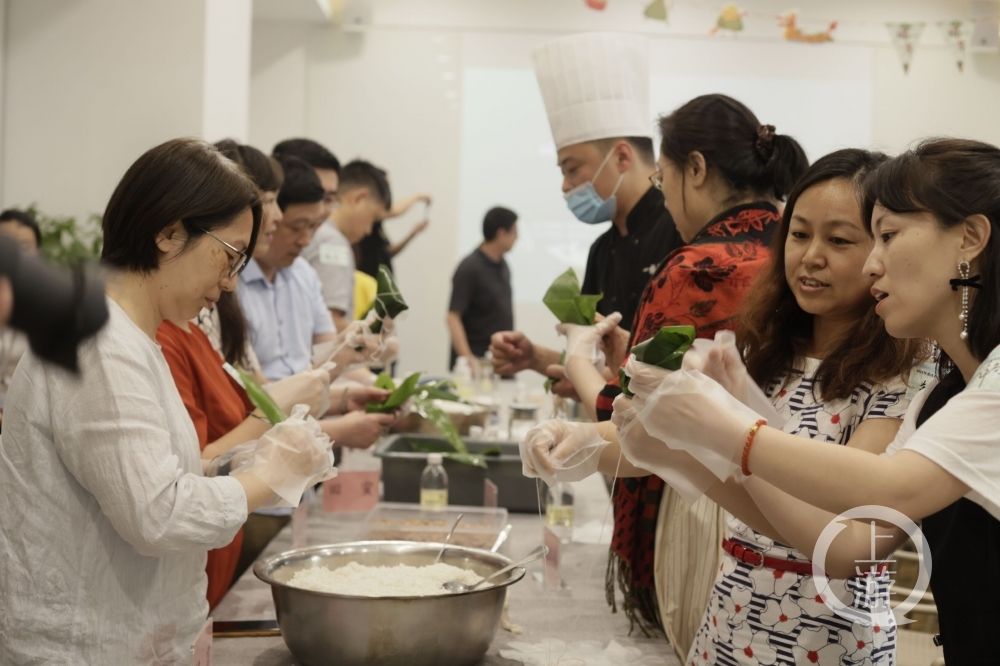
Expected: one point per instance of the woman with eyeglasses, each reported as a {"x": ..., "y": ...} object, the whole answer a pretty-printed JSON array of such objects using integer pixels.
[
  {"x": 107, "y": 515},
  {"x": 222, "y": 414},
  {"x": 722, "y": 173}
]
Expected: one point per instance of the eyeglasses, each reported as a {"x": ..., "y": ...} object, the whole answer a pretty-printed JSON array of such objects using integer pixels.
[
  {"x": 238, "y": 261},
  {"x": 656, "y": 178}
]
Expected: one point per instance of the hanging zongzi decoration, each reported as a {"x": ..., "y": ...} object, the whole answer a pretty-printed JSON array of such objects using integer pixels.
[
  {"x": 658, "y": 10},
  {"x": 956, "y": 35},
  {"x": 730, "y": 20},
  {"x": 905, "y": 37}
]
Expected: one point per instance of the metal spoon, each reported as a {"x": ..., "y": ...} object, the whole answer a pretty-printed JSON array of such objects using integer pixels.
[
  {"x": 501, "y": 538},
  {"x": 457, "y": 587},
  {"x": 447, "y": 539}
]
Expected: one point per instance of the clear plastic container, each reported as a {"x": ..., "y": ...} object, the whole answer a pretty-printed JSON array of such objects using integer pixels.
[
  {"x": 408, "y": 522},
  {"x": 559, "y": 510}
]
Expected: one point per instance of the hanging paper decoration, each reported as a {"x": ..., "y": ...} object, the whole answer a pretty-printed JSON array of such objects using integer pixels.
[
  {"x": 956, "y": 35},
  {"x": 730, "y": 19},
  {"x": 658, "y": 10},
  {"x": 599, "y": 5},
  {"x": 789, "y": 21},
  {"x": 905, "y": 37}
]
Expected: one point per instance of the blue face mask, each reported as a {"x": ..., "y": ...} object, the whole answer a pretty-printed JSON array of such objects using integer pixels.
[{"x": 587, "y": 205}]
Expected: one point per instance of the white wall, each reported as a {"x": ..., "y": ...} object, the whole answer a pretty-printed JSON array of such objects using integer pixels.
[
  {"x": 226, "y": 69},
  {"x": 91, "y": 84},
  {"x": 395, "y": 92}
]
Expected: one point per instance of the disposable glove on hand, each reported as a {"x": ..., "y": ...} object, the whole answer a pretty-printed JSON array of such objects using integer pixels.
[
  {"x": 692, "y": 412},
  {"x": 290, "y": 457},
  {"x": 677, "y": 468},
  {"x": 310, "y": 388},
  {"x": 585, "y": 341},
  {"x": 722, "y": 363},
  {"x": 561, "y": 451}
]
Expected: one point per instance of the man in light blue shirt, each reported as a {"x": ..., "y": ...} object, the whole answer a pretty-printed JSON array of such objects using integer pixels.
[{"x": 280, "y": 293}]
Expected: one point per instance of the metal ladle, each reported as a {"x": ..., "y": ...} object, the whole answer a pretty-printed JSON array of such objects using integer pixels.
[
  {"x": 457, "y": 587},
  {"x": 447, "y": 539}
]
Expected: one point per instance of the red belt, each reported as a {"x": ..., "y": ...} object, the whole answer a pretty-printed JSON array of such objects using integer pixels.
[{"x": 755, "y": 558}]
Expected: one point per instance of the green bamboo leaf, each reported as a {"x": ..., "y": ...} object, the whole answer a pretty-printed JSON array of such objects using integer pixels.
[
  {"x": 261, "y": 399},
  {"x": 399, "y": 395},
  {"x": 664, "y": 350},
  {"x": 388, "y": 299},
  {"x": 565, "y": 301}
]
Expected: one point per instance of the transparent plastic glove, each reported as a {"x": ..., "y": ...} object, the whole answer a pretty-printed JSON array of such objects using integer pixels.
[
  {"x": 692, "y": 412},
  {"x": 645, "y": 377},
  {"x": 678, "y": 469},
  {"x": 561, "y": 451},
  {"x": 721, "y": 361},
  {"x": 310, "y": 388},
  {"x": 290, "y": 457},
  {"x": 234, "y": 458},
  {"x": 585, "y": 341}
]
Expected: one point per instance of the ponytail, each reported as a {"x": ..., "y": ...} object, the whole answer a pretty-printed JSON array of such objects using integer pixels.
[{"x": 748, "y": 155}]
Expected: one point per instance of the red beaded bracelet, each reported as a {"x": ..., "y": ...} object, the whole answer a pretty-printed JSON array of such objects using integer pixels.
[{"x": 745, "y": 460}]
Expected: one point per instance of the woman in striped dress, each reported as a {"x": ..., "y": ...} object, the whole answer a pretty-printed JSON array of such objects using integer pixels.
[{"x": 812, "y": 340}]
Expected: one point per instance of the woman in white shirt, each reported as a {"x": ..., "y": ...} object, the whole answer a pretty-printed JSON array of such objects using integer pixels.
[
  {"x": 106, "y": 517},
  {"x": 934, "y": 212}
]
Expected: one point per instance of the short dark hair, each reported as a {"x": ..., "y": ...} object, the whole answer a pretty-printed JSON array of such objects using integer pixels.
[
  {"x": 24, "y": 218},
  {"x": 498, "y": 218},
  {"x": 182, "y": 179},
  {"x": 359, "y": 173},
  {"x": 642, "y": 145},
  {"x": 301, "y": 185},
  {"x": 952, "y": 179},
  {"x": 314, "y": 154},
  {"x": 774, "y": 331},
  {"x": 263, "y": 170},
  {"x": 748, "y": 155}
]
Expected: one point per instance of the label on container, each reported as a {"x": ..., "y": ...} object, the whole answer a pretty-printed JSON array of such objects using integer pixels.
[
  {"x": 433, "y": 499},
  {"x": 351, "y": 491},
  {"x": 559, "y": 515}
]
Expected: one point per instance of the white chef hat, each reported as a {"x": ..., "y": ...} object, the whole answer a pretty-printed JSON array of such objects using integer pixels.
[{"x": 595, "y": 86}]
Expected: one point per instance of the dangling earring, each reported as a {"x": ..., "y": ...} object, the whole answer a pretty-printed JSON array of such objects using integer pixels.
[{"x": 963, "y": 316}]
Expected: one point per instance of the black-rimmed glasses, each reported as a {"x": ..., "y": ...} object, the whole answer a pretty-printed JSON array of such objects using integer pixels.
[{"x": 239, "y": 258}]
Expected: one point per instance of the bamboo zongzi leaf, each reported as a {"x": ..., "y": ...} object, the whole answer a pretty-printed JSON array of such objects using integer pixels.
[
  {"x": 565, "y": 301},
  {"x": 388, "y": 299},
  {"x": 261, "y": 399},
  {"x": 664, "y": 350}
]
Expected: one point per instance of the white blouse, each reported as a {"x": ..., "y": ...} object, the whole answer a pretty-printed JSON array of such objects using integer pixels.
[
  {"x": 105, "y": 517},
  {"x": 963, "y": 437}
]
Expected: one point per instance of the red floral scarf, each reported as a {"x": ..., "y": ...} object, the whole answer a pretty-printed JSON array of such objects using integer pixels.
[{"x": 702, "y": 284}]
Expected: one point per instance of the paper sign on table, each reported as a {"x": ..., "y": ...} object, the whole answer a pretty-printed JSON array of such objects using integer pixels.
[
  {"x": 351, "y": 491},
  {"x": 490, "y": 492},
  {"x": 203, "y": 646},
  {"x": 552, "y": 579}
]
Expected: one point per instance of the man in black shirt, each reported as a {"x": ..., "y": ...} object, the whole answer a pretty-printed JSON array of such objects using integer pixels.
[
  {"x": 595, "y": 88},
  {"x": 481, "y": 298}
]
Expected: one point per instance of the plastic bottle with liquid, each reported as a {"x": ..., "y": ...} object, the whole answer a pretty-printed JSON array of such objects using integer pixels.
[
  {"x": 462, "y": 376},
  {"x": 559, "y": 510},
  {"x": 434, "y": 484}
]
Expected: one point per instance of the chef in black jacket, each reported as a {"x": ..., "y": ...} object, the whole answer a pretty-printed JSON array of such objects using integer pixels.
[{"x": 596, "y": 92}]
